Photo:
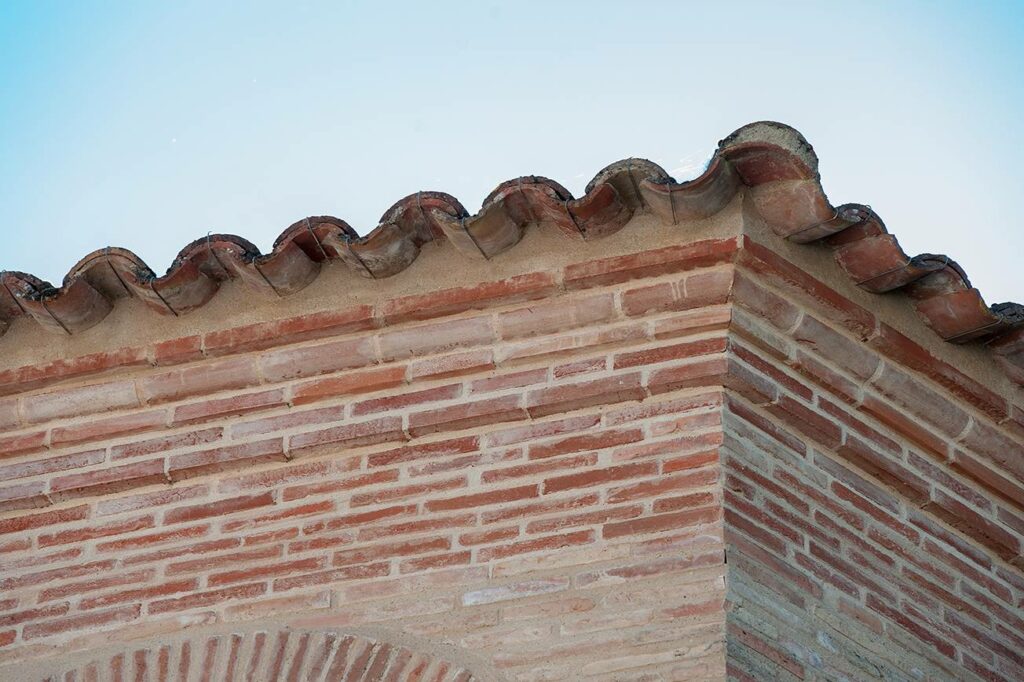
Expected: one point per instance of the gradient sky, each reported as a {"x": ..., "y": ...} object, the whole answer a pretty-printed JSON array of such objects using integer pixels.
[{"x": 147, "y": 125}]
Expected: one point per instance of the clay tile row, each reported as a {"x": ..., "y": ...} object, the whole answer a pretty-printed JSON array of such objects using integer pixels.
[{"x": 772, "y": 161}]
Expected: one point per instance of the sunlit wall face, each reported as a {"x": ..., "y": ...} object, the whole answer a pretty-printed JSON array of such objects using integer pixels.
[{"x": 148, "y": 125}]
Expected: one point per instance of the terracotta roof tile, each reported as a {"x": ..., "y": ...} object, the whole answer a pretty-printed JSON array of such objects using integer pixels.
[{"x": 772, "y": 161}]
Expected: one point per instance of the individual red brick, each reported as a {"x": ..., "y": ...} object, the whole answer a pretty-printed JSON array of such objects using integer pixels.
[
  {"x": 311, "y": 509},
  {"x": 288, "y": 420},
  {"x": 190, "y": 549},
  {"x": 546, "y": 506},
  {"x": 365, "y": 381},
  {"x": 590, "y": 518},
  {"x": 704, "y": 372},
  {"x": 55, "y": 574},
  {"x": 226, "y": 458},
  {"x": 678, "y": 351},
  {"x": 599, "y": 476},
  {"x": 165, "y": 442},
  {"x": 109, "y": 480},
  {"x": 661, "y": 522},
  {"x": 232, "y": 406},
  {"x": 437, "y": 337},
  {"x": 770, "y": 370},
  {"x": 96, "y": 531},
  {"x": 858, "y": 483},
  {"x": 911, "y": 355},
  {"x": 371, "y": 553},
  {"x": 682, "y": 502},
  {"x": 119, "y": 505},
  {"x": 805, "y": 420},
  {"x": 546, "y": 543},
  {"x": 921, "y": 401},
  {"x": 570, "y": 369},
  {"x": 416, "y": 490},
  {"x": 692, "y": 322},
  {"x": 598, "y": 440},
  {"x": 837, "y": 348},
  {"x": 31, "y": 495},
  {"x": 913, "y": 621},
  {"x": 290, "y": 330},
  {"x": 510, "y": 380},
  {"x": 27, "y": 615},
  {"x": 218, "y": 508},
  {"x": 821, "y": 374},
  {"x": 88, "y": 621},
  {"x": 99, "y": 429},
  {"x": 273, "y": 570},
  {"x": 208, "y": 598},
  {"x": 969, "y": 465},
  {"x": 410, "y": 453},
  {"x": 159, "y": 538},
  {"x": 142, "y": 594},
  {"x": 754, "y": 296},
  {"x": 571, "y": 344},
  {"x": 566, "y": 397},
  {"x": 478, "y": 296},
  {"x": 31, "y": 377},
  {"x": 642, "y": 300},
  {"x": 556, "y": 315},
  {"x": 286, "y": 363},
  {"x": 37, "y": 467},
  {"x": 650, "y": 263},
  {"x": 175, "y": 351},
  {"x": 339, "y": 485},
  {"x": 218, "y": 561},
  {"x": 200, "y": 379},
  {"x": 415, "y": 527},
  {"x": 903, "y": 425},
  {"x": 467, "y": 415},
  {"x": 398, "y": 401},
  {"x": 434, "y": 561},
  {"x": 768, "y": 427},
  {"x": 483, "y": 499},
  {"x": 21, "y": 443},
  {"x": 995, "y": 446},
  {"x": 666, "y": 484},
  {"x": 360, "y": 433},
  {"x": 538, "y": 467},
  {"x": 357, "y": 572},
  {"x": 78, "y": 401},
  {"x": 890, "y": 472},
  {"x": 99, "y": 583},
  {"x": 989, "y": 533}
]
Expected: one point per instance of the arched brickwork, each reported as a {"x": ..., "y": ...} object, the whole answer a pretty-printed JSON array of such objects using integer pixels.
[{"x": 264, "y": 654}]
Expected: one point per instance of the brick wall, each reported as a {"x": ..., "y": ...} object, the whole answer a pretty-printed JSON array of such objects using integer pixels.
[
  {"x": 633, "y": 468},
  {"x": 874, "y": 514}
]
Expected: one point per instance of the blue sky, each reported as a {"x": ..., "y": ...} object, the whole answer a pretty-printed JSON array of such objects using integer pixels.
[{"x": 147, "y": 125}]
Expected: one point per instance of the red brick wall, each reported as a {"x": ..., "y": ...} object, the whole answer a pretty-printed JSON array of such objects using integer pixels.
[
  {"x": 612, "y": 470},
  {"x": 874, "y": 514},
  {"x": 525, "y": 472}
]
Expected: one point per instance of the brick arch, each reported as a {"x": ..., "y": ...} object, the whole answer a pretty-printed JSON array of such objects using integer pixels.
[{"x": 267, "y": 654}]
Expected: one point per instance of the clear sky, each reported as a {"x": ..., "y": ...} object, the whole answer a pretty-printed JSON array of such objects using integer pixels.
[{"x": 147, "y": 125}]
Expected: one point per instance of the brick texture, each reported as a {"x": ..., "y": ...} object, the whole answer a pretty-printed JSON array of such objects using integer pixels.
[{"x": 653, "y": 467}]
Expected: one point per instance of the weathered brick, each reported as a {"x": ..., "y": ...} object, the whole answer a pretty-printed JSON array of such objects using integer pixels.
[
  {"x": 290, "y": 330},
  {"x": 437, "y": 337},
  {"x": 231, "y": 406},
  {"x": 459, "y": 299},
  {"x": 467, "y": 415},
  {"x": 79, "y": 401},
  {"x": 568, "y": 397}
]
